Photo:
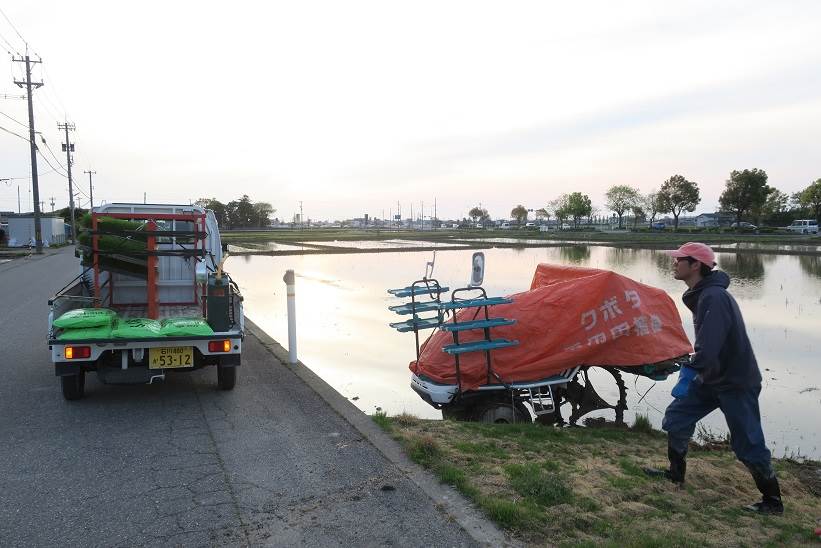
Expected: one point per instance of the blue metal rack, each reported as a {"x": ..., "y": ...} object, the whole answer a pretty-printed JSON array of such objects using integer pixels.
[{"x": 431, "y": 289}]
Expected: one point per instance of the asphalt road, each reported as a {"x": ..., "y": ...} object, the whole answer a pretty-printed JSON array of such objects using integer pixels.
[{"x": 181, "y": 463}]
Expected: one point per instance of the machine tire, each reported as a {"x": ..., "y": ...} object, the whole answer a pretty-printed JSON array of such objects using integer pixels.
[
  {"x": 496, "y": 412},
  {"x": 226, "y": 377},
  {"x": 73, "y": 386}
]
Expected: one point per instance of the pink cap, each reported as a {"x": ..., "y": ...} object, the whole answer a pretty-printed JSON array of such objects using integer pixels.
[{"x": 698, "y": 251}]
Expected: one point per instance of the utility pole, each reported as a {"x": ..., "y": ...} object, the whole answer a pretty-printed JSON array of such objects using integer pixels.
[
  {"x": 301, "y": 218},
  {"x": 68, "y": 147},
  {"x": 91, "y": 190},
  {"x": 29, "y": 85},
  {"x": 18, "y": 199},
  {"x": 435, "y": 218},
  {"x": 52, "y": 204},
  {"x": 144, "y": 197}
]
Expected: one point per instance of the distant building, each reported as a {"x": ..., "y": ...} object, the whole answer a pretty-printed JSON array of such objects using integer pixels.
[
  {"x": 708, "y": 220},
  {"x": 21, "y": 230}
]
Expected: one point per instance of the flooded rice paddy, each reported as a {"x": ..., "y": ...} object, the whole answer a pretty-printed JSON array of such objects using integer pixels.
[{"x": 343, "y": 334}]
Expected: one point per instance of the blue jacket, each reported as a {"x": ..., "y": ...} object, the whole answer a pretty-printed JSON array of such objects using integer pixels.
[{"x": 723, "y": 355}]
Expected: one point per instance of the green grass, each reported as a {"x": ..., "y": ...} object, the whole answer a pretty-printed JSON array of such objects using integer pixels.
[
  {"x": 642, "y": 424},
  {"x": 538, "y": 485},
  {"x": 381, "y": 418},
  {"x": 586, "y": 486}
]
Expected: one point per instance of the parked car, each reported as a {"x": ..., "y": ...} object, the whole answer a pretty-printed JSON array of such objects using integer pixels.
[
  {"x": 804, "y": 226},
  {"x": 744, "y": 226},
  {"x": 505, "y": 226},
  {"x": 479, "y": 225},
  {"x": 530, "y": 225},
  {"x": 566, "y": 226},
  {"x": 658, "y": 225}
]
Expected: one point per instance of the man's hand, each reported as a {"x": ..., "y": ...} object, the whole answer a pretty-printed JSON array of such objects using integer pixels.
[{"x": 685, "y": 377}]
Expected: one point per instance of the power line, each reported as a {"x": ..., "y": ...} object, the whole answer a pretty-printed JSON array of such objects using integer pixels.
[
  {"x": 14, "y": 120},
  {"x": 15, "y": 134},
  {"x": 53, "y": 169},
  {"x": 12, "y": 49},
  {"x": 13, "y": 27},
  {"x": 52, "y": 153}
]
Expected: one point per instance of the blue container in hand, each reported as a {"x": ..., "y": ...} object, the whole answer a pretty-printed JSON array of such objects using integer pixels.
[{"x": 685, "y": 377}]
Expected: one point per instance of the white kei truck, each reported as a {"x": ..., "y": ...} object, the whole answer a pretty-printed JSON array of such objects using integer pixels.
[{"x": 151, "y": 261}]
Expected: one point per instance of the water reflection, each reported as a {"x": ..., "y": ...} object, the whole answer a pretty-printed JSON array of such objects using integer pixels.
[
  {"x": 743, "y": 266},
  {"x": 810, "y": 264},
  {"x": 618, "y": 257},
  {"x": 343, "y": 334},
  {"x": 575, "y": 253}
]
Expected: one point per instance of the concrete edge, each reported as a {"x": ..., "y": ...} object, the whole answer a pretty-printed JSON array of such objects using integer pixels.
[{"x": 446, "y": 499}]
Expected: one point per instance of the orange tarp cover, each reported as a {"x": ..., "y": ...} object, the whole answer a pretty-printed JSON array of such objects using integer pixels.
[{"x": 571, "y": 316}]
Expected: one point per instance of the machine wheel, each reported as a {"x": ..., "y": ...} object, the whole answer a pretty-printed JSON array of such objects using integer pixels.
[
  {"x": 497, "y": 412},
  {"x": 226, "y": 377},
  {"x": 581, "y": 396},
  {"x": 73, "y": 385},
  {"x": 457, "y": 412}
]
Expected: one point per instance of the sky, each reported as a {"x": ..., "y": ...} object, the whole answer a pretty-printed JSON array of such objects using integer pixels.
[{"x": 355, "y": 107}]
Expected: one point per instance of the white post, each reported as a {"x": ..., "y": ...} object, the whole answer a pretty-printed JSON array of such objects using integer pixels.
[{"x": 289, "y": 281}]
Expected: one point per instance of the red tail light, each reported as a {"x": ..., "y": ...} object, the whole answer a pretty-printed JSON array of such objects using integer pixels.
[
  {"x": 77, "y": 352},
  {"x": 219, "y": 346}
]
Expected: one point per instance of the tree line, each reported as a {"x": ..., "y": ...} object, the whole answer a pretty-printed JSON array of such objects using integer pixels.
[
  {"x": 241, "y": 213},
  {"x": 747, "y": 195}
]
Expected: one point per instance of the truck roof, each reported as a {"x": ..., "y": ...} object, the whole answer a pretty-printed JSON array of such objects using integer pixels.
[{"x": 125, "y": 207}]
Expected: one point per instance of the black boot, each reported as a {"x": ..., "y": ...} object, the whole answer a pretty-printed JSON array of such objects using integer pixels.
[
  {"x": 677, "y": 470},
  {"x": 771, "y": 495}
]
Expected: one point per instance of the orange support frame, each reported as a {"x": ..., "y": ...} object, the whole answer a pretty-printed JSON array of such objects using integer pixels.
[
  {"x": 151, "y": 282},
  {"x": 152, "y": 304}
]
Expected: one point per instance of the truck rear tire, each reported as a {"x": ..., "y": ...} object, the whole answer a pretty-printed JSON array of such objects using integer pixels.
[
  {"x": 226, "y": 377},
  {"x": 73, "y": 385}
]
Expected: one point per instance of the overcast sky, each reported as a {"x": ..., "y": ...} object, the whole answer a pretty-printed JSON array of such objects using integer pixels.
[{"x": 353, "y": 106}]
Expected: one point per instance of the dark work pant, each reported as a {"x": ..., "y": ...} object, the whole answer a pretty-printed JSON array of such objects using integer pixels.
[{"x": 740, "y": 408}]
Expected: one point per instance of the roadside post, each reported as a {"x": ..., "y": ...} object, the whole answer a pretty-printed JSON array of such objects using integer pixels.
[{"x": 291, "y": 288}]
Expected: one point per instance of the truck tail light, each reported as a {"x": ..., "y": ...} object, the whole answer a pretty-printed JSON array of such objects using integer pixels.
[
  {"x": 219, "y": 346},
  {"x": 77, "y": 352}
]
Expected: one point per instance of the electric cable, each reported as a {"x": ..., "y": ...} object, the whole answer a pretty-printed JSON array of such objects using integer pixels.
[
  {"x": 6, "y": 17},
  {"x": 14, "y": 120},
  {"x": 15, "y": 134}
]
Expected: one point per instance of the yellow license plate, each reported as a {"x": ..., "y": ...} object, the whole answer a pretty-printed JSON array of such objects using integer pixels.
[{"x": 171, "y": 357}]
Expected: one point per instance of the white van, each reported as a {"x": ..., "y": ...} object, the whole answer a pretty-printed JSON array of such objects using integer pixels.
[{"x": 804, "y": 226}]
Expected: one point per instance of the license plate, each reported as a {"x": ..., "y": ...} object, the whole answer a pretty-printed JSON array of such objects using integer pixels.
[{"x": 170, "y": 357}]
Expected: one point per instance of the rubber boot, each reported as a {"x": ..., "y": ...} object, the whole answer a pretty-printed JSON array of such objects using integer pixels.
[
  {"x": 771, "y": 495},
  {"x": 677, "y": 470}
]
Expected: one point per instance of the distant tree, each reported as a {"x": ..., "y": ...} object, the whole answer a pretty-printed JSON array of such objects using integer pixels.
[
  {"x": 651, "y": 205},
  {"x": 637, "y": 210},
  {"x": 65, "y": 213},
  {"x": 621, "y": 198},
  {"x": 811, "y": 197},
  {"x": 559, "y": 208},
  {"x": 477, "y": 214},
  {"x": 262, "y": 214},
  {"x": 746, "y": 191},
  {"x": 240, "y": 213},
  {"x": 519, "y": 213},
  {"x": 543, "y": 213},
  {"x": 217, "y": 207},
  {"x": 677, "y": 195},
  {"x": 578, "y": 206},
  {"x": 775, "y": 207}
]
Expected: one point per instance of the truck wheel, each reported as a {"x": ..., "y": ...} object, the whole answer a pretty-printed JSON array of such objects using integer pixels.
[
  {"x": 226, "y": 377},
  {"x": 73, "y": 385}
]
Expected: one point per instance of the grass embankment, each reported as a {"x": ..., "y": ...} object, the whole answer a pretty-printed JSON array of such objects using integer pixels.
[
  {"x": 623, "y": 238},
  {"x": 586, "y": 487}
]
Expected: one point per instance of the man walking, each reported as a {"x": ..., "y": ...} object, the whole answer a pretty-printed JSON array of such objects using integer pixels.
[{"x": 722, "y": 374}]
